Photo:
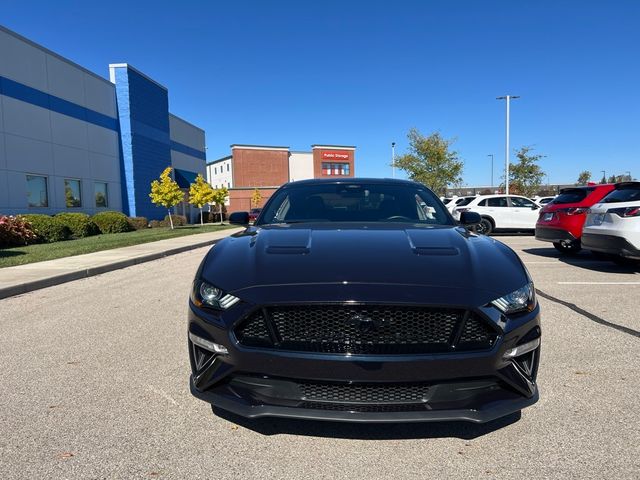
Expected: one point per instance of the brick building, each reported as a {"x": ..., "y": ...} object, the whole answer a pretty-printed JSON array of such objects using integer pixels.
[{"x": 268, "y": 167}]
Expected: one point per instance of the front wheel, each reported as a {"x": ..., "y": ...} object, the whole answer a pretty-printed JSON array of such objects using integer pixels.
[
  {"x": 485, "y": 227},
  {"x": 567, "y": 246}
]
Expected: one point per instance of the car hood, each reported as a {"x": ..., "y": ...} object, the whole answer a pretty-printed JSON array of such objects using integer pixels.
[{"x": 442, "y": 259}]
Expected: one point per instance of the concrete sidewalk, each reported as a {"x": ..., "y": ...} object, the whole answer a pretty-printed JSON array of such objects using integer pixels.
[{"x": 33, "y": 276}]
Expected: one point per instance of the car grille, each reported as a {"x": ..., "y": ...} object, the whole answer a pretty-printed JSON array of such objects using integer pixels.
[
  {"x": 365, "y": 329},
  {"x": 363, "y": 393}
]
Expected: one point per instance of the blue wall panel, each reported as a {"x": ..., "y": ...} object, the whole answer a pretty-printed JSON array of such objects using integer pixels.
[{"x": 143, "y": 107}]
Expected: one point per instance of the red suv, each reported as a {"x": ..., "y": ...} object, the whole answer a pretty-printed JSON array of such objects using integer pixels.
[{"x": 561, "y": 220}]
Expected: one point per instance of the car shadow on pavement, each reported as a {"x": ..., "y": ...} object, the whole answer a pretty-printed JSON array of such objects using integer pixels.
[
  {"x": 584, "y": 260},
  {"x": 368, "y": 431}
]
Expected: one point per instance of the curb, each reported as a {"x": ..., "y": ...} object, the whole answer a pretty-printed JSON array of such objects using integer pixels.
[{"x": 27, "y": 287}]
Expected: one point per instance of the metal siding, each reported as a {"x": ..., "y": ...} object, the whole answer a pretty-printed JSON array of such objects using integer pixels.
[{"x": 143, "y": 109}]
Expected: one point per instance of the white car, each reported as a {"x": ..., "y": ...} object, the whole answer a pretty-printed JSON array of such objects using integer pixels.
[
  {"x": 542, "y": 201},
  {"x": 459, "y": 202},
  {"x": 613, "y": 225},
  {"x": 502, "y": 212}
]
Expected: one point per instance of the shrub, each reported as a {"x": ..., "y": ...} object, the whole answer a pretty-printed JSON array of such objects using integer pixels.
[
  {"x": 178, "y": 220},
  {"x": 156, "y": 223},
  {"x": 80, "y": 224},
  {"x": 15, "y": 231},
  {"x": 138, "y": 223},
  {"x": 48, "y": 229},
  {"x": 111, "y": 222}
]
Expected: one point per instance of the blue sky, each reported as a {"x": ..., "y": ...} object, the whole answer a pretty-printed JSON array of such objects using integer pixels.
[{"x": 364, "y": 72}]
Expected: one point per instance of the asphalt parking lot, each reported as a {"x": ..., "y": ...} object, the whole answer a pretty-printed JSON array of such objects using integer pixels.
[{"x": 94, "y": 384}]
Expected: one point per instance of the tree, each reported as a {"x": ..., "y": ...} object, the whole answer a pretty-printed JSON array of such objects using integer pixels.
[
  {"x": 525, "y": 176},
  {"x": 219, "y": 197},
  {"x": 200, "y": 194},
  {"x": 430, "y": 161},
  {"x": 166, "y": 192},
  {"x": 584, "y": 177},
  {"x": 256, "y": 198}
]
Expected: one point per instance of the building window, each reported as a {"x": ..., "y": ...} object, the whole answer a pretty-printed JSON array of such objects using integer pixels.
[
  {"x": 102, "y": 195},
  {"x": 335, "y": 168},
  {"x": 215, "y": 170},
  {"x": 37, "y": 191},
  {"x": 228, "y": 165},
  {"x": 72, "y": 193}
]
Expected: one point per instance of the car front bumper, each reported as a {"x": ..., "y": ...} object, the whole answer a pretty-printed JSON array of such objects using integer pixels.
[{"x": 470, "y": 386}]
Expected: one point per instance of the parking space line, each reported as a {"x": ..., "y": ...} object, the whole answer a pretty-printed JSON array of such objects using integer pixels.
[
  {"x": 589, "y": 315},
  {"x": 598, "y": 283}
]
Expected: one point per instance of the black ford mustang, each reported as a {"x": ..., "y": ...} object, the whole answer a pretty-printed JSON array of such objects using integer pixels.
[{"x": 363, "y": 300}]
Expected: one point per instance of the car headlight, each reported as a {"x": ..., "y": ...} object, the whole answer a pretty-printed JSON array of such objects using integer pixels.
[
  {"x": 204, "y": 294},
  {"x": 523, "y": 299}
]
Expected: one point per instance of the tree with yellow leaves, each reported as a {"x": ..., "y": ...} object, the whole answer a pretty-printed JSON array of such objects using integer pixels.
[
  {"x": 256, "y": 198},
  {"x": 219, "y": 197},
  {"x": 200, "y": 194},
  {"x": 166, "y": 192}
]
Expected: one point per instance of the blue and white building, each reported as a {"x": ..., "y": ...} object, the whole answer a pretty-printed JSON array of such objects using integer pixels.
[{"x": 71, "y": 140}]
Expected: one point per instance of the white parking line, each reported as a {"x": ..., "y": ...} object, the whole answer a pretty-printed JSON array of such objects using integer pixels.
[{"x": 598, "y": 283}]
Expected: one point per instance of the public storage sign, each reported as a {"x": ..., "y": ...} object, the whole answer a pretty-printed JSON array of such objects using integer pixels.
[{"x": 335, "y": 155}]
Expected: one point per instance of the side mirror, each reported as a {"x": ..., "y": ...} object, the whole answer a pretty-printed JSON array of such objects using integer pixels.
[
  {"x": 470, "y": 218},
  {"x": 239, "y": 218},
  {"x": 535, "y": 207}
]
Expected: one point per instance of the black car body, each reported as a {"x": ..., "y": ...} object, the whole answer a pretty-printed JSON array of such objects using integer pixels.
[{"x": 363, "y": 300}]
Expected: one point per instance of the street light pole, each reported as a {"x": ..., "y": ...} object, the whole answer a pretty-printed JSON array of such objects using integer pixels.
[
  {"x": 604, "y": 176},
  {"x": 508, "y": 98},
  {"x": 491, "y": 155},
  {"x": 393, "y": 159}
]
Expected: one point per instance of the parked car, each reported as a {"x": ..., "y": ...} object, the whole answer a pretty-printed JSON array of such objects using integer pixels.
[
  {"x": 349, "y": 300},
  {"x": 502, "y": 212},
  {"x": 562, "y": 220},
  {"x": 253, "y": 214},
  {"x": 613, "y": 225},
  {"x": 542, "y": 201},
  {"x": 459, "y": 202}
]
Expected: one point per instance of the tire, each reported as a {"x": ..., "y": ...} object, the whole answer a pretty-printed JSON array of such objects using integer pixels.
[
  {"x": 568, "y": 247},
  {"x": 485, "y": 227}
]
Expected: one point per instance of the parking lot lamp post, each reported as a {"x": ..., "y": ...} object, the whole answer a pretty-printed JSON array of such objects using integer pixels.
[
  {"x": 508, "y": 98},
  {"x": 604, "y": 176},
  {"x": 393, "y": 159},
  {"x": 628, "y": 175},
  {"x": 491, "y": 155}
]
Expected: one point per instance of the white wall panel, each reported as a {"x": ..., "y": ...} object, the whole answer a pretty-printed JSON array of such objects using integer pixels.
[
  {"x": 100, "y": 95},
  {"x": 65, "y": 80},
  {"x": 3, "y": 157},
  {"x": 27, "y": 120},
  {"x": 183, "y": 132},
  {"x": 4, "y": 192},
  {"x": 68, "y": 131},
  {"x": 300, "y": 166},
  {"x": 28, "y": 155},
  {"x": 187, "y": 162},
  {"x": 22, "y": 62},
  {"x": 71, "y": 162},
  {"x": 102, "y": 140},
  {"x": 104, "y": 167},
  {"x": 17, "y": 188}
]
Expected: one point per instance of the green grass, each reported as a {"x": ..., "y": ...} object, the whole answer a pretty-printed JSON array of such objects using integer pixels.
[{"x": 49, "y": 251}]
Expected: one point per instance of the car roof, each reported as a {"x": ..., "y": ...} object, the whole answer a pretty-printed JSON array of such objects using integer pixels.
[
  {"x": 622, "y": 185},
  {"x": 378, "y": 181}
]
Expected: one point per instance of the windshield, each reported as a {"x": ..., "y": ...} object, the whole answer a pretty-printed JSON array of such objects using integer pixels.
[
  {"x": 626, "y": 193},
  {"x": 355, "y": 202},
  {"x": 573, "y": 195}
]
